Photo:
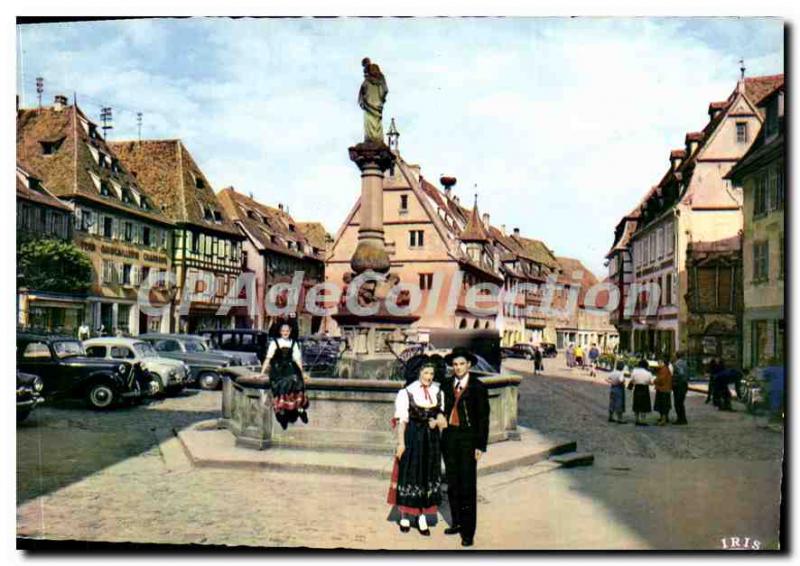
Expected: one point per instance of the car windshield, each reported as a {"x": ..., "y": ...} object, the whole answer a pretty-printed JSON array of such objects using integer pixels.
[
  {"x": 144, "y": 350},
  {"x": 194, "y": 346},
  {"x": 68, "y": 349}
]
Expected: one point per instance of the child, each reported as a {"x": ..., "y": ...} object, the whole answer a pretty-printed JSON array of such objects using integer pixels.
[{"x": 616, "y": 394}]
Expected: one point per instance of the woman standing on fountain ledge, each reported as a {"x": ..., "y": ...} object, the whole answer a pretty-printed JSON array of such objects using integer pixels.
[
  {"x": 416, "y": 478},
  {"x": 286, "y": 377}
]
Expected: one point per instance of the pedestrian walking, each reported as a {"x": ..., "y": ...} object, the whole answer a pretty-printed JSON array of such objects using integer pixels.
[
  {"x": 579, "y": 356},
  {"x": 464, "y": 441},
  {"x": 640, "y": 382},
  {"x": 714, "y": 367},
  {"x": 663, "y": 383},
  {"x": 594, "y": 354},
  {"x": 616, "y": 393},
  {"x": 538, "y": 366},
  {"x": 415, "y": 490},
  {"x": 570, "y": 353},
  {"x": 680, "y": 386},
  {"x": 83, "y": 332}
]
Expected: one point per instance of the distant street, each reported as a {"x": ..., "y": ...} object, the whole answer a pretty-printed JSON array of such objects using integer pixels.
[{"x": 122, "y": 476}]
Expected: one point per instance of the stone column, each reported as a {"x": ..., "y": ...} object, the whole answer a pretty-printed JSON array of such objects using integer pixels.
[{"x": 372, "y": 159}]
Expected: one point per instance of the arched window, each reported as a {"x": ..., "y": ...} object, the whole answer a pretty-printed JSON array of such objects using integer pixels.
[
  {"x": 463, "y": 323},
  {"x": 476, "y": 324}
]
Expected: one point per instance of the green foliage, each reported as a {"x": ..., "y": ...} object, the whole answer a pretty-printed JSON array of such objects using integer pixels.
[{"x": 52, "y": 265}]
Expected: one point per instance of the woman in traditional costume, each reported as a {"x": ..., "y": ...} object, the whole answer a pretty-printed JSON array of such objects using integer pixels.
[
  {"x": 284, "y": 362},
  {"x": 415, "y": 491},
  {"x": 641, "y": 379}
]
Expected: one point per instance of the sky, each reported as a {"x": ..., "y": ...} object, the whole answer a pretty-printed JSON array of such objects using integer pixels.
[{"x": 559, "y": 124}]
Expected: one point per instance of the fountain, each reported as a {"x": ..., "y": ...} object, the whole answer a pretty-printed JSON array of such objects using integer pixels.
[{"x": 350, "y": 413}]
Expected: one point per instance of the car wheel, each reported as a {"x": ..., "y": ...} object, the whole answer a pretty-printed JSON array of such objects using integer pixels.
[
  {"x": 528, "y": 357},
  {"x": 209, "y": 381},
  {"x": 100, "y": 396},
  {"x": 157, "y": 389},
  {"x": 23, "y": 414}
]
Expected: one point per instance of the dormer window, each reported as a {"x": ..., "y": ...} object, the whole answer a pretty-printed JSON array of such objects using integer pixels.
[
  {"x": 207, "y": 214},
  {"x": 105, "y": 189},
  {"x": 50, "y": 147},
  {"x": 143, "y": 203},
  {"x": 115, "y": 166},
  {"x": 217, "y": 217},
  {"x": 198, "y": 182},
  {"x": 291, "y": 227},
  {"x": 252, "y": 215}
]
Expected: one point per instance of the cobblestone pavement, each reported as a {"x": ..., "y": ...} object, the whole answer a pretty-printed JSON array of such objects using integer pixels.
[
  {"x": 122, "y": 476},
  {"x": 572, "y": 403}
]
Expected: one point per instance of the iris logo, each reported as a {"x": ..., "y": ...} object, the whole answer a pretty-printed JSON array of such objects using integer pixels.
[{"x": 740, "y": 543}]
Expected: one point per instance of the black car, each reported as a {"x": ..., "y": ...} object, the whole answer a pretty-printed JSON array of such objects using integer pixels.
[
  {"x": 548, "y": 350},
  {"x": 29, "y": 388},
  {"x": 239, "y": 340},
  {"x": 66, "y": 372}
]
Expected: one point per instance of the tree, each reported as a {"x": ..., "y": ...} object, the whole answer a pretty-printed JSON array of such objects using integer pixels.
[{"x": 53, "y": 265}]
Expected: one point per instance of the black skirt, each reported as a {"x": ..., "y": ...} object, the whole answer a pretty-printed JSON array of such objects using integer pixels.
[
  {"x": 663, "y": 401},
  {"x": 641, "y": 399},
  {"x": 419, "y": 478}
]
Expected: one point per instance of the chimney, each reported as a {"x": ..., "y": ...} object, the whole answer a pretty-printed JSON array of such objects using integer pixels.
[
  {"x": 692, "y": 140},
  {"x": 676, "y": 157},
  {"x": 448, "y": 183},
  {"x": 59, "y": 103},
  {"x": 485, "y": 217},
  {"x": 516, "y": 232},
  {"x": 251, "y": 195},
  {"x": 503, "y": 229},
  {"x": 280, "y": 206},
  {"x": 715, "y": 108}
]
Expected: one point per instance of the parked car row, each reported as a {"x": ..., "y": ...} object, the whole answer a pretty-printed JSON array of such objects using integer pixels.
[
  {"x": 526, "y": 351},
  {"x": 109, "y": 371}
]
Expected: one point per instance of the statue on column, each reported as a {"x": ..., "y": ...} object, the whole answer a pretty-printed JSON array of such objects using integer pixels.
[{"x": 371, "y": 98}]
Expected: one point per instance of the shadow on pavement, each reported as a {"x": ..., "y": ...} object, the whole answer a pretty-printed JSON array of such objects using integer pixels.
[
  {"x": 674, "y": 487},
  {"x": 62, "y": 443}
]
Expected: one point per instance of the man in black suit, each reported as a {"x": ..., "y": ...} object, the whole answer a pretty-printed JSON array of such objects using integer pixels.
[{"x": 466, "y": 405}]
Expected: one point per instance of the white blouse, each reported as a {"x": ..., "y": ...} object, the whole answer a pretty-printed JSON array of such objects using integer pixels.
[
  {"x": 401, "y": 401},
  {"x": 616, "y": 377},
  {"x": 641, "y": 376},
  {"x": 285, "y": 343}
]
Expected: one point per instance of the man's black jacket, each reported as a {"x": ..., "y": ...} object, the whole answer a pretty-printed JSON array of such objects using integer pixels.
[{"x": 473, "y": 409}]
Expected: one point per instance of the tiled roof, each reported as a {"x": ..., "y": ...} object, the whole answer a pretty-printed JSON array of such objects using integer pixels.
[
  {"x": 474, "y": 231},
  {"x": 167, "y": 173},
  {"x": 269, "y": 228},
  {"x": 70, "y": 169},
  {"x": 315, "y": 233},
  {"x": 756, "y": 88},
  {"x": 30, "y": 188}
]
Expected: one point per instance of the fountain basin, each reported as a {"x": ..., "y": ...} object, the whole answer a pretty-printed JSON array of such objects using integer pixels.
[{"x": 350, "y": 415}]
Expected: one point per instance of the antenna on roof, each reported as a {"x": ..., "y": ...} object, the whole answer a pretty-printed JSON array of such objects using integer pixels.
[
  {"x": 105, "y": 116},
  {"x": 139, "y": 125},
  {"x": 742, "y": 68},
  {"x": 39, "y": 89}
]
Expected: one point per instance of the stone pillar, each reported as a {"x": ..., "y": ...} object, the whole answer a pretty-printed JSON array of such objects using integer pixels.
[{"x": 372, "y": 160}]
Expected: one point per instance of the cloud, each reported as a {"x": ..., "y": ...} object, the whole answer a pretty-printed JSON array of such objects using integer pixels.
[{"x": 562, "y": 124}]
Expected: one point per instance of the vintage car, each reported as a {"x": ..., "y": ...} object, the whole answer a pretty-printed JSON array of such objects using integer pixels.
[
  {"x": 66, "y": 371},
  {"x": 237, "y": 357},
  {"x": 204, "y": 364},
  {"x": 169, "y": 374},
  {"x": 29, "y": 394},
  {"x": 548, "y": 349},
  {"x": 239, "y": 341}
]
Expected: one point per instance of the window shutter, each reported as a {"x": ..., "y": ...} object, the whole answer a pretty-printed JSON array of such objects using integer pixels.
[
  {"x": 706, "y": 287},
  {"x": 724, "y": 301}
]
